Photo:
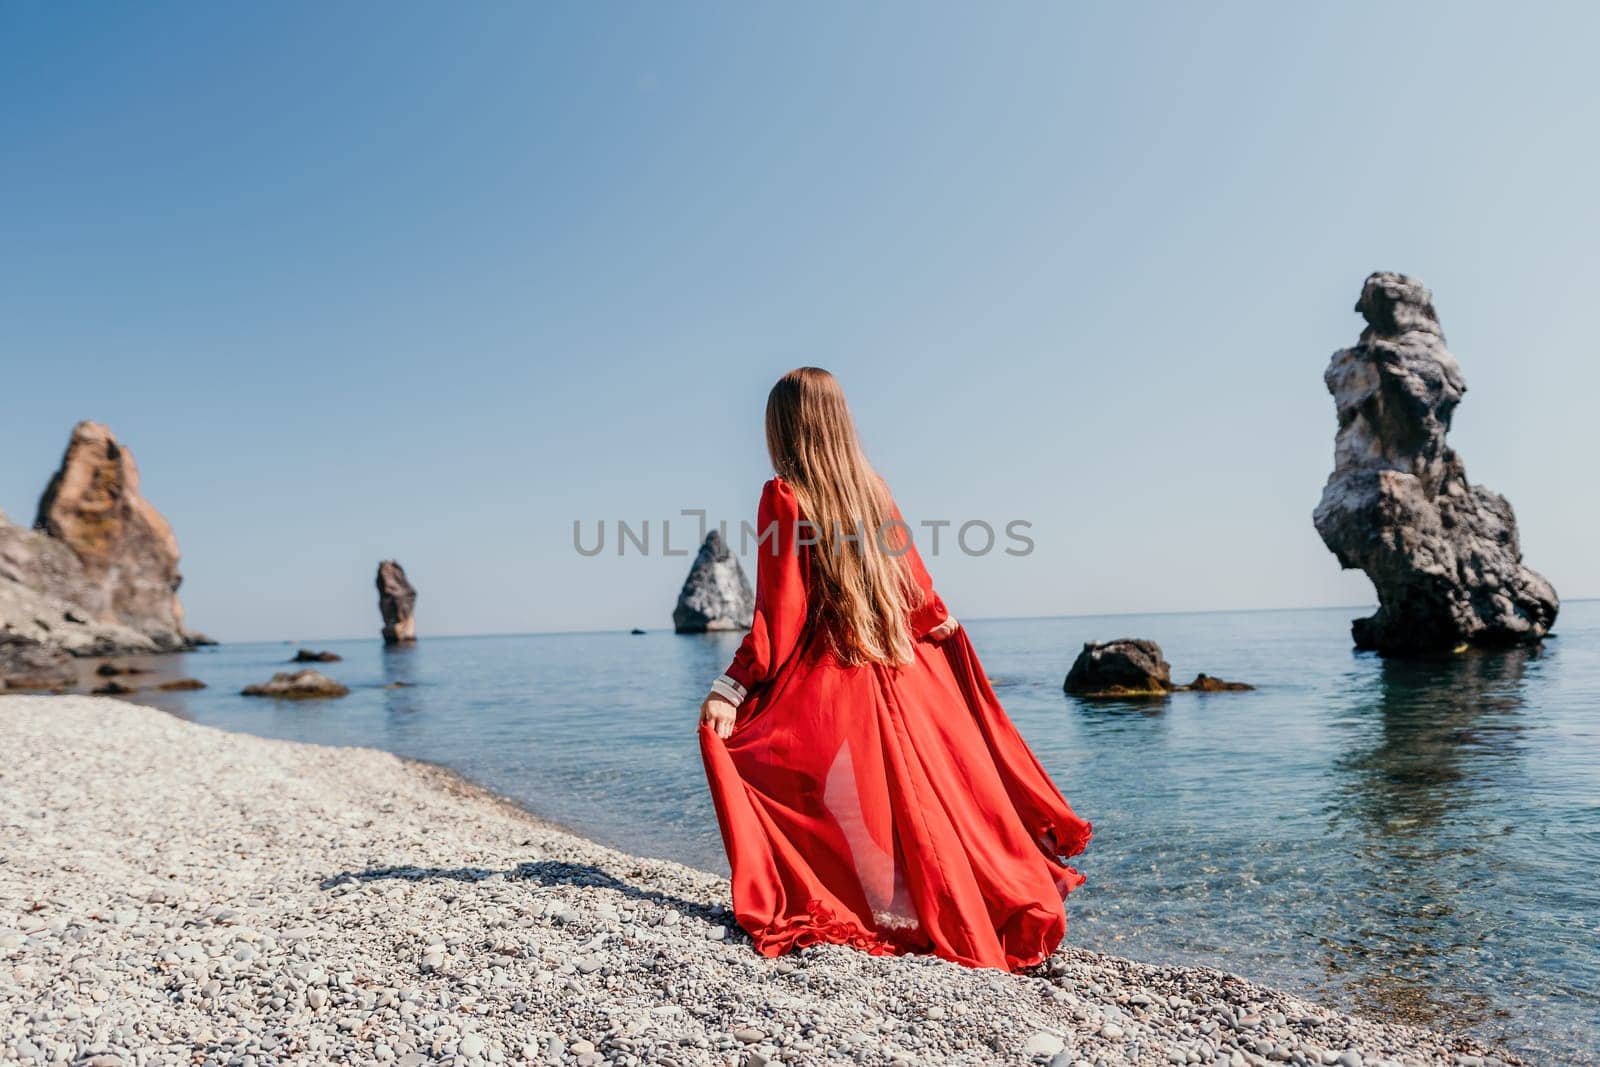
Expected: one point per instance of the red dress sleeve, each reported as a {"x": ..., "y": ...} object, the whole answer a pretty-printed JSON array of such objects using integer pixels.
[{"x": 780, "y": 615}]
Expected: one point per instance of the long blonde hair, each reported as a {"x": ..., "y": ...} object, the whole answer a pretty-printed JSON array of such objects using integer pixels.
[{"x": 862, "y": 595}]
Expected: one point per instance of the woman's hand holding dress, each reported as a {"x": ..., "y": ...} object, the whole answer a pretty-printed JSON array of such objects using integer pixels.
[{"x": 718, "y": 711}]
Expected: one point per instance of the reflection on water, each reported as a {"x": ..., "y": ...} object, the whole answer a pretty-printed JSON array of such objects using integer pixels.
[
  {"x": 1428, "y": 738},
  {"x": 1441, "y": 724},
  {"x": 1415, "y": 839},
  {"x": 400, "y": 681}
]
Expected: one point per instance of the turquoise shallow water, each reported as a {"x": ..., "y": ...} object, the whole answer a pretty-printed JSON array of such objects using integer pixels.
[{"x": 1411, "y": 840}]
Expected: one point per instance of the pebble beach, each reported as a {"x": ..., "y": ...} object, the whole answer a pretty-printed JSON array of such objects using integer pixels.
[{"x": 176, "y": 894}]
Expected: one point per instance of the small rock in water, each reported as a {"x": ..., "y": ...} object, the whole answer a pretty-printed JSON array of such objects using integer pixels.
[
  {"x": 178, "y": 685},
  {"x": 1124, "y": 667},
  {"x": 298, "y": 685},
  {"x": 1205, "y": 683}
]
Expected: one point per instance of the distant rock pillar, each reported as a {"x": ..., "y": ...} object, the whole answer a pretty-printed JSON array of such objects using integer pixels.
[
  {"x": 716, "y": 595},
  {"x": 396, "y": 602}
]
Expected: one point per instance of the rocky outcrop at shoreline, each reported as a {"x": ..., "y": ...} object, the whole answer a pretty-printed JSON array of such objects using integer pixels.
[
  {"x": 98, "y": 574},
  {"x": 188, "y": 896},
  {"x": 716, "y": 595},
  {"x": 40, "y": 581},
  {"x": 1442, "y": 553},
  {"x": 127, "y": 550},
  {"x": 27, "y": 664}
]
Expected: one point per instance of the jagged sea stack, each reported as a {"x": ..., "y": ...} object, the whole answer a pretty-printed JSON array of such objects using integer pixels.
[
  {"x": 716, "y": 595},
  {"x": 126, "y": 551},
  {"x": 396, "y": 602},
  {"x": 1442, "y": 553}
]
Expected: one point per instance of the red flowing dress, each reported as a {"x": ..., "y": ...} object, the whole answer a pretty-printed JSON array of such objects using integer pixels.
[{"x": 895, "y": 809}]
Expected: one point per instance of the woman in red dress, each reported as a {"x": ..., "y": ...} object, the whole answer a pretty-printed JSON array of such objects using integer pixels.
[{"x": 870, "y": 789}]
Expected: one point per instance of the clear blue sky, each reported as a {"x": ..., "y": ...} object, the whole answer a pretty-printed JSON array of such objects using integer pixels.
[{"x": 363, "y": 280}]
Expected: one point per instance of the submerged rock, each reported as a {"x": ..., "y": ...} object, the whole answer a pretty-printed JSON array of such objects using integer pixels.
[
  {"x": 298, "y": 685},
  {"x": 111, "y": 670},
  {"x": 305, "y": 655},
  {"x": 716, "y": 595},
  {"x": 1204, "y": 683},
  {"x": 179, "y": 685},
  {"x": 1125, "y": 667},
  {"x": 29, "y": 664},
  {"x": 113, "y": 689},
  {"x": 396, "y": 602},
  {"x": 126, "y": 551},
  {"x": 1443, "y": 554}
]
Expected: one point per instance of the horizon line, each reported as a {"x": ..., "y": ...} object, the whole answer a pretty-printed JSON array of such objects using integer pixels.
[{"x": 976, "y": 618}]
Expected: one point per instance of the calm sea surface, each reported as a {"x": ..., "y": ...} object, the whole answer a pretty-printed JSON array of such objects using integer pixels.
[{"x": 1411, "y": 840}]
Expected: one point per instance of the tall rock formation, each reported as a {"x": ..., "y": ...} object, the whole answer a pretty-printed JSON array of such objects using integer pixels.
[
  {"x": 1442, "y": 553},
  {"x": 716, "y": 595},
  {"x": 128, "y": 551},
  {"x": 396, "y": 602},
  {"x": 99, "y": 573}
]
